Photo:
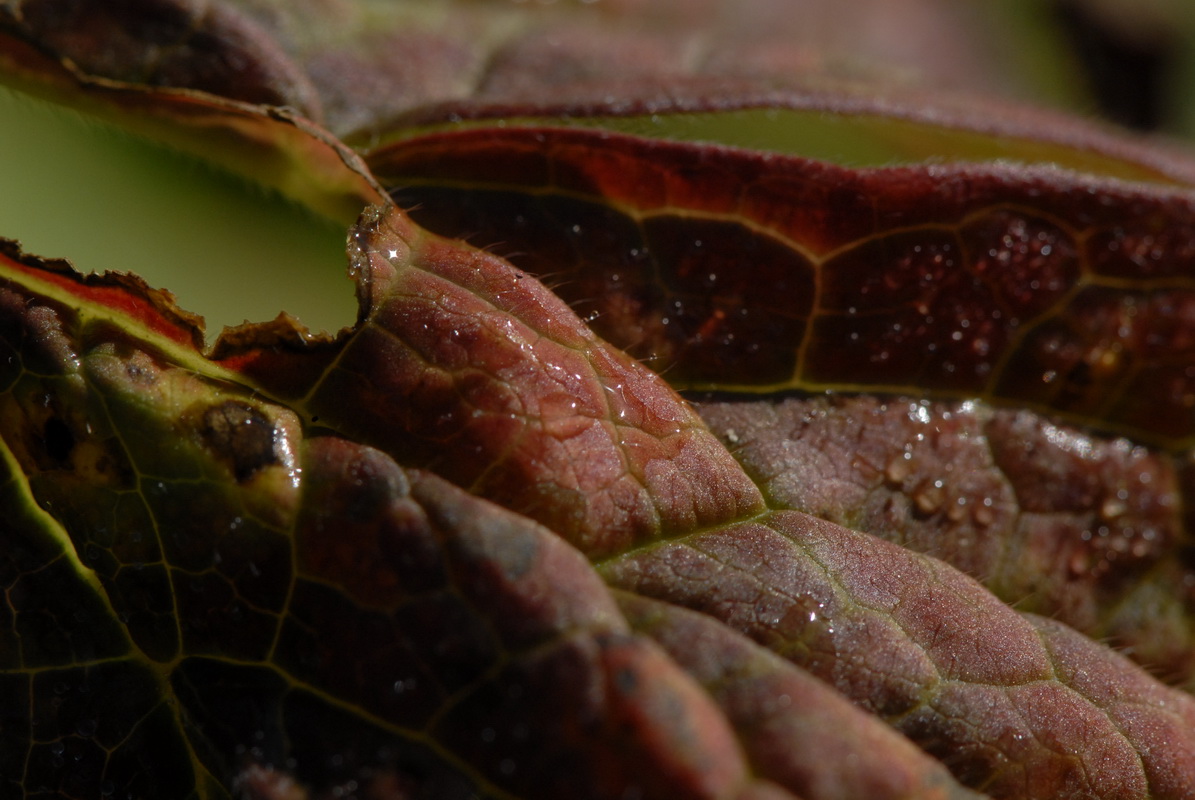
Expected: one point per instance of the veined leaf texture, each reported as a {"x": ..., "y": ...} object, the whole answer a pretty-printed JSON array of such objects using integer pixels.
[{"x": 710, "y": 426}]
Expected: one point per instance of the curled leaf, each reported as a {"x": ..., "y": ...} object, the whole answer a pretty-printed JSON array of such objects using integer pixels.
[
  {"x": 736, "y": 270},
  {"x": 474, "y": 368}
]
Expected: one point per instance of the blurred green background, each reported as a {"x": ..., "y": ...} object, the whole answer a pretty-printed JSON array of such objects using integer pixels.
[{"x": 1128, "y": 61}]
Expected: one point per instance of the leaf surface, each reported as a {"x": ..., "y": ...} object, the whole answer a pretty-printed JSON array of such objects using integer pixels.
[
  {"x": 212, "y": 598},
  {"x": 358, "y": 65},
  {"x": 1019, "y": 283},
  {"x": 1051, "y": 518},
  {"x": 729, "y": 270},
  {"x": 825, "y": 597},
  {"x": 479, "y": 546}
]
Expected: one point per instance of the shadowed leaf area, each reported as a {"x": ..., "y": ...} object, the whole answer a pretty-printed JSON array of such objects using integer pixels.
[{"x": 659, "y": 463}]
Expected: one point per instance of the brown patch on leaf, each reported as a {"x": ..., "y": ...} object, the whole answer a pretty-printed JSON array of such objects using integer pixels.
[{"x": 241, "y": 436}]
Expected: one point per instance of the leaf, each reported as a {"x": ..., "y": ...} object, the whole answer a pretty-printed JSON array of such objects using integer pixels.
[
  {"x": 214, "y": 49},
  {"x": 1050, "y": 518},
  {"x": 467, "y": 364},
  {"x": 992, "y": 694},
  {"x": 855, "y": 273},
  {"x": 829, "y": 749},
  {"x": 236, "y": 617},
  {"x": 264, "y": 492},
  {"x": 357, "y": 65},
  {"x": 999, "y": 284},
  {"x": 946, "y": 618},
  {"x": 222, "y": 600},
  {"x": 472, "y": 547}
]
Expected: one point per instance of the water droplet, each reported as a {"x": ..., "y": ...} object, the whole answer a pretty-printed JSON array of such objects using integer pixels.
[
  {"x": 919, "y": 413},
  {"x": 1112, "y": 508}
]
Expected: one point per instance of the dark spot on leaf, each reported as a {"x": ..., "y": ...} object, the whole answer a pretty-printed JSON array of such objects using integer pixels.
[
  {"x": 58, "y": 439},
  {"x": 626, "y": 680},
  {"x": 240, "y": 435}
]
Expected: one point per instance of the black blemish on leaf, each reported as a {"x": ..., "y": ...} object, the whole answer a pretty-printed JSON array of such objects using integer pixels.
[
  {"x": 240, "y": 435},
  {"x": 58, "y": 440}
]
